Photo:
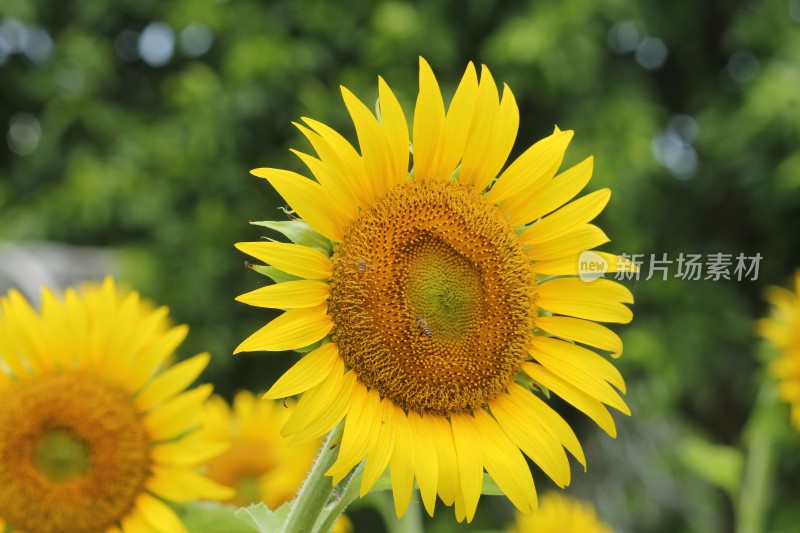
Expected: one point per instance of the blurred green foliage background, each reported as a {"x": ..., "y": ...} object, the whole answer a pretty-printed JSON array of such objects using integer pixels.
[{"x": 132, "y": 126}]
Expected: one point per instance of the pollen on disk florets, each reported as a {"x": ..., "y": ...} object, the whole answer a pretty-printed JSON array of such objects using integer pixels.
[
  {"x": 432, "y": 298},
  {"x": 74, "y": 454}
]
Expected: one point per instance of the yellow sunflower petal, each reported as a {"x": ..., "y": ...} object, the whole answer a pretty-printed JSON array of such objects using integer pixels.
[
  {"x": 308, "y": 372},
  {"x": 309, "y": 199},
  {"x": 429, "y": 120},
  {"x": 570, "y": 265},
  {"x": 427, "y": 468},
  {"x": 177, "y": 415},
  {"x": 396, "y": 129},
  {"x": 600, "y": 300},
  {"x": 470, "y": 466},
  {"x": 158, "y": 514},
  {"x": 182, "y": 484},
  {"x": 504, "y": 462},
  {"x": 337, "y": 186},
  {"x": 591, "y": 407},
  {"x": 322, "y": 407},
  {"x": 375, "y": 149},
  {"x": 530, "y": 171},
  {"x": 582, "y": 358},
  {"x": 153, "y": 356},
  {"x": 135, "y": 523},
  {"x": 288, "y": 295},
  {"x": 359, "y": 425},
  {"x": 582, "y": 331},
  {"x": 402, "y": 466},
  {"x": 457, "y": 124},
  {"x": 569, "y": 245},
  {"x": 446, "y": 459},
  {"x": 293, "y": 259},
  {"x": 172, "y": 381},
  {"x": 539, "y": 445},
  {"x": 501, "y": 141},
  {"x": 581, "y": 367},
  {"x": 295, "y": 328},
  {"x": 567, "y": 218},
  {"x": 189, "y": 451},
  {"x": 380, "y": 455},
  {"x": 559, "y": 190}
]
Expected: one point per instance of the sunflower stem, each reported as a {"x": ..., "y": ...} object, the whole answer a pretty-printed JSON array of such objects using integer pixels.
[
  {"x": 347, "y": 490},
  {"x": 316, "y": 490},
  {"x": 761, "y": 436}
]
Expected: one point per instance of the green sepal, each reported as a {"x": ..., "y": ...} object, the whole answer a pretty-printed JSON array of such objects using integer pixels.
[
  {"x": 313, "y": 346},
  {"x": 210, "y": 517},
  {"x": 299, "y": 232},
  {"x": 531, "y": 384},
  {"x": 278, "y": 276},
  {"x": 264, "y": 520}
]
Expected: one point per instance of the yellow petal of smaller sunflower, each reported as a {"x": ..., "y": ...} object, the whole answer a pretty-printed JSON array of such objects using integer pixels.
[
  {"x": 585, "y": 403},
  {"x": 322, "y": 407},
  {"x": 189, "y": 451},
  {"x": 530, "y": 171},
  {"x": 429, "y": 121},
  {"x": 308, "y": 372},
  {"x": 600, "y": 300},
  {"x": 567, "y": 218},
  {"x": 582, "y": 331},
  {"x": 470, "y": 465},
  {"x": 158, "y": 515},
  {"x": 172, "y": 381},
  {"x": 293, "y": 259},
  {"x": 402, "y": 466},
  {"x": 396, "y": 129},
  {"x": 427, "y": 468},
  {"x": 559, "y": 190},
  {"x": 295, "y": 328},
  {"x": 145, "y": 363},
  {"x": 24, "y": 330},
  {"x": 308, "y": 198},
  {"x": 178, "y": 415},
  {"x": 288, "y": 295},
  {"x": 135, "y": 523},
  {"x": 569, "y": 245},
  {"x": 181, "y": 484},
  {"x": 504, "y": 462}
]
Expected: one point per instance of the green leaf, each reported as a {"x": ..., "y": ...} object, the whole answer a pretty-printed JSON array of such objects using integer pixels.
[
  {"x": 717, "y": 464},
  {"x": 299, "y": 232},
  {"x": 278, "y": 276},
  {"x": 264, "y": 520},
  {"x": 210, "y": 517}
]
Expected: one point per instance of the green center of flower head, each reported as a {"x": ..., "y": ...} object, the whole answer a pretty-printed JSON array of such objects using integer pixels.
[
  {"x": 61, "y": 455},
  {"x": 432, "y": 298},
  {"x": 444, "y": 289}
]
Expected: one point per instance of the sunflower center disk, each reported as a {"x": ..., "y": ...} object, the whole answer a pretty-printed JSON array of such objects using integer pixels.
[
  {"x": 73, "y": 454},
  {"x": 441, "y": 317}
]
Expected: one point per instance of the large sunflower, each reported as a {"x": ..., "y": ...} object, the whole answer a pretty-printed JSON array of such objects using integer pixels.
[
  {"x": 559, "y": 513},
  {"x": 445, "y": 298},
  {"x": 782, "y": 329},
  {"x": 94, "y": 431}
]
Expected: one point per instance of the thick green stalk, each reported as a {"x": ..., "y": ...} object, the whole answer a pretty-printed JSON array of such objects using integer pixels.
[
  {"x": 761, "y": 435},
  {"x": 316, "y": 490}
]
